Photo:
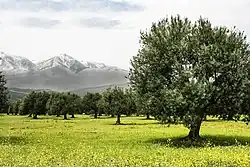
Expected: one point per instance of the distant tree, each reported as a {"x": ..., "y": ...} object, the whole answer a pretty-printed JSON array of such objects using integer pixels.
[
  {"x": 106, "y": 101},
  {"x": 34, "y": 104},
  {"x": 64, "y": 104},
  {"x": 79, "y": 105},
  {"x": 49, "y": 105},
  {"x": 16, "y": 106},
  {"x": 23, "y": 110},
  {"x": 130, "y": 102},
  {"x": 3, "y": 93},
  {"x": 28, "y": 105},
  {"x": 73, "y": 104},
  {"x": 115, "y": 102},
  {"x": 142, "y": 103},
  {"x": 57, "y": 105},
  {"x": 189, "y": 70},
  {"x": 10, "y": 109},
  {"x": 90, "y": 101},
  {"x": 41, "y": 99}
]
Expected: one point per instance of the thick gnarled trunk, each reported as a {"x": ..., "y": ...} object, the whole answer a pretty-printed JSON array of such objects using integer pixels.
[
  {"x": 95, "y": 114},
  {"x": 118, "y": 121},
  {"x": 65, "y": 116},
  {"x": 195, "y": 127},
  {"x": 35, "y": 116},
  {"x": 148, "y": 116}
]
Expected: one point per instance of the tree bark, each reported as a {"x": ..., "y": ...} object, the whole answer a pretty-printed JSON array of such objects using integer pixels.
[
  {"x": 100, "y": 114},
  {"x": 73, "y": 116},
  {"x": 205, "y": 118},
  {"x": 148, "y": 116},
  {"x": 35, "y": 116},
  {"x": 112, "y": 115},
  {"x": 194, "y": 132},
  {"x": 30, "y": 115},
  {"x": 118, "y": 122},
  {"x": 95, "y": 116},
  {"x": 57, "y": 115},
  {"x": 230, "y": 117},
  {"x": 65, "y": 116}
]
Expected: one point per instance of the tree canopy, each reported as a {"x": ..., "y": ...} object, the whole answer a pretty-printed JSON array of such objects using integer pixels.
[
  {"x": 3, "y": 93},
  {"x": 90, "y": 101},
  {"x": 190, "y": 69}
]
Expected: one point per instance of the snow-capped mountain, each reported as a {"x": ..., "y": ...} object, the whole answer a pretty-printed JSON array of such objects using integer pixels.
[
  {"x": 64, "y": 61},
  {"x": 60, "y": 73},
  {"x": 15, "y": 64}
]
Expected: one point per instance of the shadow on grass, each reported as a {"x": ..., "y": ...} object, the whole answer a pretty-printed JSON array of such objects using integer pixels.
[
  {"x": 147, "y": 119},
  {"x": 204, "y": 141},
  {"x": 146, "y": 123},
  {"x": 54, "y": 118},
  {"x": 108, "y": 117},
  {"x": 12, "y": 140}
]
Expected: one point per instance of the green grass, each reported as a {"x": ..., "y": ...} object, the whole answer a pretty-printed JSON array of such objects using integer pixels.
[{"x": 88, "y": 142}]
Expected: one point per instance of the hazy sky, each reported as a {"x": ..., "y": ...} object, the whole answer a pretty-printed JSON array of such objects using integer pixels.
[{"x": 100, "y": 30}]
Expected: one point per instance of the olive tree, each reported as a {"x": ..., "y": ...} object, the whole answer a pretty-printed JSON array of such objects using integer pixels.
[
  {"x": 114, "y": 102},
  {"x": 191, "y": 69},
  {"x": 90, "y": 102},
  {"x": 3, "y": 93}
]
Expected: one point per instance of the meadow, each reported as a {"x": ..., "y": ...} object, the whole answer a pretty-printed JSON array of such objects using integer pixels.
[{"x": 84, "y": 141}]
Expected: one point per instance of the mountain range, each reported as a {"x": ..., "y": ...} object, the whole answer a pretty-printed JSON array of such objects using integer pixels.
[{"x": 59, "y": 73}]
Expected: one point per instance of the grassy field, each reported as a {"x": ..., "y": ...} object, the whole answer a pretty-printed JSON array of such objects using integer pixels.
[{"x": 88, "y": 142}]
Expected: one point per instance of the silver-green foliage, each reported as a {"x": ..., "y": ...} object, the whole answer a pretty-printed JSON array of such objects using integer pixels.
[{"x": 191, "y": 69}]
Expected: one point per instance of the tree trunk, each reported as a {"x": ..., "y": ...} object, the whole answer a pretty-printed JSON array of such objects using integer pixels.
[
  {"x": 65, "y": 116},
  {"x": 118, "y": 122},
  {"x": 58, "y": 115},
  {"x": 95, "y": 116},
  {"x": 100, "y": 114},
  {"x": 30, "y": 115},
  {"x": 35, "y": 116},
  {"x": 205, "y": 118},
  {"x": 8, "y": 113},
  {"x": 194, "y": 132},
  {"x": 230, "y": 117},
  {"x": 148, "y": 116},
  {"x": 112, "y": 115},
  {"x": 73, "y": 116}
]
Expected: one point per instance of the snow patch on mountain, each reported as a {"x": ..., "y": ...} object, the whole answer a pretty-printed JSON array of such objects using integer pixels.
[
  {"x": 94, "y": 64},
  {"x": 101, "y": 66},
  {"x": 15, "y": 64},
  {"x": 63, "y": 60}
]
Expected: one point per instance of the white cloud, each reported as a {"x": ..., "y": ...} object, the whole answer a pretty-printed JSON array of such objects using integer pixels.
[{"x": 114, "y": 46}]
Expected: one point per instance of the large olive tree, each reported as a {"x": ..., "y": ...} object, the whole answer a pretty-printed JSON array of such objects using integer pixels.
[{"x": 191, "y": 69}]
